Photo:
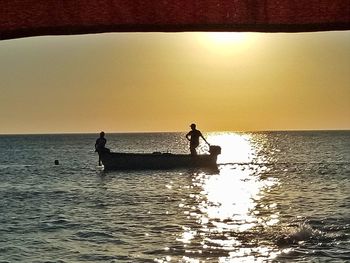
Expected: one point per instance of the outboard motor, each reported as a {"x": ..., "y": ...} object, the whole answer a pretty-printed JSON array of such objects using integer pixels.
[{"x": 214, "y": 150}]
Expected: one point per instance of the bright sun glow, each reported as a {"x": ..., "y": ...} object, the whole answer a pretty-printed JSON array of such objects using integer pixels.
[
  {"x": 225, "y": 42},
  {"x": 225, "y": 38}
]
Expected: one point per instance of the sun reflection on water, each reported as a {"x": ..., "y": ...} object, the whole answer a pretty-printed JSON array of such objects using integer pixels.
[{"x": 228, "y": 207}]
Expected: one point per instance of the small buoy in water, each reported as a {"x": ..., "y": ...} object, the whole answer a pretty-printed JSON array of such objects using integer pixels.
[{"x": 57, "y": 162}]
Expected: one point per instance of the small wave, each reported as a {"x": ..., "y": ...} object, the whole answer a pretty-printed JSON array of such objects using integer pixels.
[
  {"x": 16, "y": 167},
  {"x": 91, "y": 234},
  {"x": 12, "y": 249},
  {"x": 99, "y": 257},
  {"x": 57, "y": 224},
  {"x": 303, "y": 232},
  {"x": 98, "y": 237},
  {"x": 166, "y": 227}
]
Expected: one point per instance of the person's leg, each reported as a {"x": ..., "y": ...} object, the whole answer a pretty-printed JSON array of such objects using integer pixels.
[
  {"x": 193, "y": 150},
  {"x": 99, "y": 159}
]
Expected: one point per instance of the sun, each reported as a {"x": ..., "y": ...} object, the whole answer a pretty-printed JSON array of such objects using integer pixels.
[
  {"x": 225, "y": 42},
  {"x": 227, "y": 38}
]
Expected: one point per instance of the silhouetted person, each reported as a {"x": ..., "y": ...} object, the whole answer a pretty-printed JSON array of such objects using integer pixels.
[
  {"x": 193, "y": 137},
  {"x": 100, "y": 146}
]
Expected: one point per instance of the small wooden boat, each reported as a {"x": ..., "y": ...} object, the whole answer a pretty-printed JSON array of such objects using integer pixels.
[{"x": 157, "y": 160}]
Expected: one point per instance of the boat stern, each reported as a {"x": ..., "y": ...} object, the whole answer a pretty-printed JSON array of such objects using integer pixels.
[{"x": 214, "y": 150}]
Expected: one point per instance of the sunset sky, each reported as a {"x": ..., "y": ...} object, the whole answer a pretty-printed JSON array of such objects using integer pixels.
[{"x": 140, "y": 82}]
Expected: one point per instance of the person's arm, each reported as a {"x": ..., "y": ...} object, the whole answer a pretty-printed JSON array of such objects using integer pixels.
[
  {"x": 96, "y": 145},
  {"x": 187, "y": 136},
  {"x": 204, "y": 139}
]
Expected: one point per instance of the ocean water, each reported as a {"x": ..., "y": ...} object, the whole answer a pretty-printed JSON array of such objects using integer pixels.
[{"x": 276, "y": 197}]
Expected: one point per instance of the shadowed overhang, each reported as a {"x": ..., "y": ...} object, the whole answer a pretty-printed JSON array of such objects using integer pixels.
[{"x": 23, "y": 18}]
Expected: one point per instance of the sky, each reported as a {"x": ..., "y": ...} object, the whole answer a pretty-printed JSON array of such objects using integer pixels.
[{"x": 146, "y": 82}]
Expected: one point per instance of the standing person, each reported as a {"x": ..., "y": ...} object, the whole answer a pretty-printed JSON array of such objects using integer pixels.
[
  {"x": 193, "y": 137},
  {"x": 100, "y": 146}
]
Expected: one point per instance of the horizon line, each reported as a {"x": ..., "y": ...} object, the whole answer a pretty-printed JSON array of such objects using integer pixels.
[{"x": 149, "y": 132}]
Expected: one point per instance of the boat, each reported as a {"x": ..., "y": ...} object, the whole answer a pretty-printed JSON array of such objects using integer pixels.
[{"x": 158, "y": 160}]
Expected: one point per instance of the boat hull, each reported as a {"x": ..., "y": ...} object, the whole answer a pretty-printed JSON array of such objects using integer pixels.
[{"x": 138, "y": 161}]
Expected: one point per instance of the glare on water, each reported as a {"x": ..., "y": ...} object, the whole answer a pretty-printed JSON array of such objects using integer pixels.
[{"x": 227, "y": 206}]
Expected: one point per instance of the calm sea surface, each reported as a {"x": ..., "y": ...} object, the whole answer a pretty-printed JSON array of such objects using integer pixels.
[{"x": 276, "y": 197}]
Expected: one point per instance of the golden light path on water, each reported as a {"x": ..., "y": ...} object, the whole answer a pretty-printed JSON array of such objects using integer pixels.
[{"x": 228, "y": 207}]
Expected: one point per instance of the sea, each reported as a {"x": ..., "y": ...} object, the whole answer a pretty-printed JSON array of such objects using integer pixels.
[{"x": 281, "y": 196}]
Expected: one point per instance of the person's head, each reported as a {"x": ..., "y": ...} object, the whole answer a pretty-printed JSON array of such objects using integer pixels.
[
  {"x": 102, "y": 134},
  {"x": 193, "y": 126}
]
